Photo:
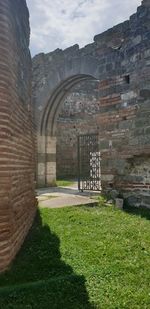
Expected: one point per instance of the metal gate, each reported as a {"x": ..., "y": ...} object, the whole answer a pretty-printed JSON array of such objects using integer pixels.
[{"x": 89, "y": 174}]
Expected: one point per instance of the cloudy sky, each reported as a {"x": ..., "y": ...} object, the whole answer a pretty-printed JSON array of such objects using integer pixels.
[{"x": 62, "y": 23}]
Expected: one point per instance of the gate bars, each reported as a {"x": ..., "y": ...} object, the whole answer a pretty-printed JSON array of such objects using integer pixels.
[{"x": 89, "y": 173}]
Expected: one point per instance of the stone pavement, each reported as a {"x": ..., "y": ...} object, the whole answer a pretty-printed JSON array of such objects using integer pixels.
[{"x": 58, "y": 197}]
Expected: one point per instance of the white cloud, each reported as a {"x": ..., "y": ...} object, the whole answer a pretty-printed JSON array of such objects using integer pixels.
[{"x": 62, "y": 23}]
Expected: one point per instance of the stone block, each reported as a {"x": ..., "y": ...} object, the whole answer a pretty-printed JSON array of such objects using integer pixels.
[
  {"x": 128, "y": 95},
  {"x": 119, "y": 203}
]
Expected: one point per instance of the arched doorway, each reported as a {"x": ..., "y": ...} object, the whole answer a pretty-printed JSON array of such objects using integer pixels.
[{"x": 46, "y": 173}]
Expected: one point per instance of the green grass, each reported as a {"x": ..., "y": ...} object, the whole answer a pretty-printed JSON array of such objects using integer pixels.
[
  {"x": 64, "y": 183},
  {"x": 82, "y": 257}
]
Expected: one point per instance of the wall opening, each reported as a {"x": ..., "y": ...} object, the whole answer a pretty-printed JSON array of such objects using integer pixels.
[
  {"x": 127, "y": 79},
  {"x": 71, "y": 110},
  {"x": 77, "y": 117}
]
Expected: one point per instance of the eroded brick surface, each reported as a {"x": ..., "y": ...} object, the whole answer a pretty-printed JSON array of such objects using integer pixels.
[{"x": 17, "y": 163}]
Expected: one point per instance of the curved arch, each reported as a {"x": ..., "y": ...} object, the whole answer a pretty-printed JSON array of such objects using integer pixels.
[{"x": 51, "y": 111}]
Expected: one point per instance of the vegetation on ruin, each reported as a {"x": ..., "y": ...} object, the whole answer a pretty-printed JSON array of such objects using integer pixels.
[{"x": 82, "y": 257}]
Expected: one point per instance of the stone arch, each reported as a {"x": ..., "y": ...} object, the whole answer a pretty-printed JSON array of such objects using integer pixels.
[
  {"x": 47, "y": 128},
  {"x": 52, "y": 108}
]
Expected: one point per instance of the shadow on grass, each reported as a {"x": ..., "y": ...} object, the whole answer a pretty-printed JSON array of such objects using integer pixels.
[
  {"x": 141, "y": 211},
  {"x": 39, "y": 278}
]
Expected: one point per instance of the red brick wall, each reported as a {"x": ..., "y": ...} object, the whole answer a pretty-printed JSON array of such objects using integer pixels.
[{"x": 17, "y": 163}]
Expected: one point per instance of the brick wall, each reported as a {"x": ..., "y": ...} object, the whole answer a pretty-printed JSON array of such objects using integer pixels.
[
  {"x": 120, "y": 115},
  {"x": 17, "y": 163}
]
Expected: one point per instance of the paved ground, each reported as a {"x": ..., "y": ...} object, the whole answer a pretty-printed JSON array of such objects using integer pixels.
[{"x": 64, "y": 196}]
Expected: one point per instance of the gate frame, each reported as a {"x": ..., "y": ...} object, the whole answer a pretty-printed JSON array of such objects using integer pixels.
[{"x": 88, "y": 187}]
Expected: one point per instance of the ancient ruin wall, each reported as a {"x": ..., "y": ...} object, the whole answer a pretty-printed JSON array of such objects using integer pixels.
[
  {"x": 17, "y": 163},
  {"x": 120, "y": 59}
]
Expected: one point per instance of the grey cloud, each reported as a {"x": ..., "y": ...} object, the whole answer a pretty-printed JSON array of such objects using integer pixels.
[{"x": 61, "y": 23}]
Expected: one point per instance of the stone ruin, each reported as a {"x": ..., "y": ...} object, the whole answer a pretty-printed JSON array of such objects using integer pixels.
[
  {"x": 106, "y": 89},
  {"x": 113, "y": 74}
]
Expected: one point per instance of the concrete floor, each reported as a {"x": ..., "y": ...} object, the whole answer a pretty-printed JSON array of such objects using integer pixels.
[{"x": 58, "y": 197}]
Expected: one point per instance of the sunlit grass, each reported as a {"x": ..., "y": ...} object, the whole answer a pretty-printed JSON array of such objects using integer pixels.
[
  {"x": 86, "y": 257},
  {"x": 64, "y": 183}
]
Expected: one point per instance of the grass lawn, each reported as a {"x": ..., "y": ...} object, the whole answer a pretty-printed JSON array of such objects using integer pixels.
[
  {"x": 64, "y": 183},
  {"x": 82, "y": 257}
]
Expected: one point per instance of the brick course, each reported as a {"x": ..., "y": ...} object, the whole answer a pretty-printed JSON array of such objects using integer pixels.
[{"x": 17, "y": 144}]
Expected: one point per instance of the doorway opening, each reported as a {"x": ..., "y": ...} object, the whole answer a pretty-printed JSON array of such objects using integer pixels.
[{"x": 78, "y": 116}]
